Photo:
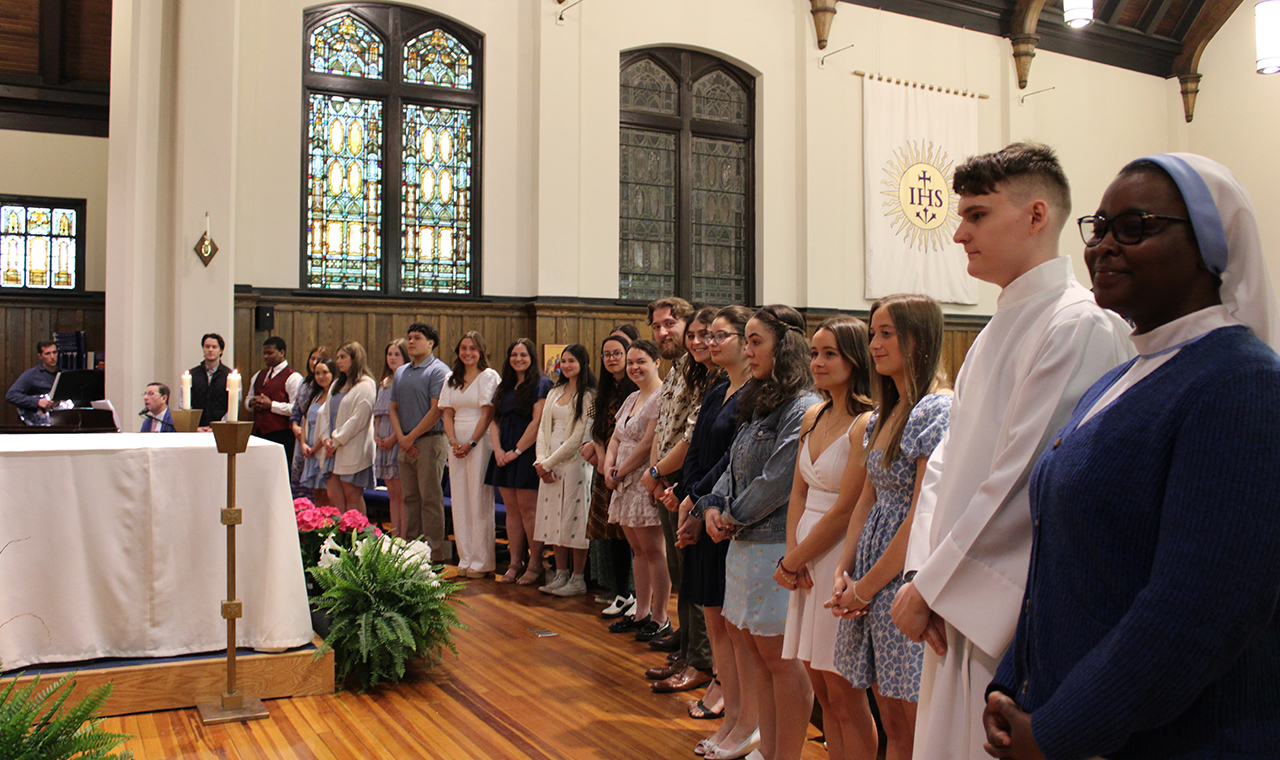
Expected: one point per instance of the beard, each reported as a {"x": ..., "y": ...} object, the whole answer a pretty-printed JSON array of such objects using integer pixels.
[{"x": 671, "y": 350}]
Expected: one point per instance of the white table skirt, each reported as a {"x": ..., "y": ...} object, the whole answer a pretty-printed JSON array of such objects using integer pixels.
[{"x": 123, "y": 553}]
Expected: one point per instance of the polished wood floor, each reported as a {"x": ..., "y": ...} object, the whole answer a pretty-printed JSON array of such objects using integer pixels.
[{"x": 508, "y": 694}]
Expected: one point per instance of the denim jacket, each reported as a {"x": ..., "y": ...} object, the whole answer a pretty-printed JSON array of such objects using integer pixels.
[{"x": 752, "y": 494}]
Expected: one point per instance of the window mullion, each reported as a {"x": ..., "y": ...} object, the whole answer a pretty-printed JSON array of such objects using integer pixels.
[{"x": 684, "y": 186}]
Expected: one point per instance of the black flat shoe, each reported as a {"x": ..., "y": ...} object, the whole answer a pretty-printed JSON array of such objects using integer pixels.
[
  {"x": 652, "y": 630},
  {"x": 629, "y": 624}
]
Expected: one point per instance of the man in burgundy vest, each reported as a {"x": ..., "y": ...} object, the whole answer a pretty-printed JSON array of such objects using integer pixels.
[{"x": 272, "y": 392}]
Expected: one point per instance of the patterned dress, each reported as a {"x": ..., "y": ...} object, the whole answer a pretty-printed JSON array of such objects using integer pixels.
[
  {"x": 598, "y": 525},
  {"x": 386, "y": 462},
  {"x": 562, "y": 504},
  {"x": 871, "y": 649},
  {"x": 632, "y": 506}
]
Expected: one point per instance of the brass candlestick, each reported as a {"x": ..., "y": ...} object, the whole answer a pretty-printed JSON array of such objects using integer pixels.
[
  {"x": 232, "y": 438},
  {"x": 186, "y": 420}
]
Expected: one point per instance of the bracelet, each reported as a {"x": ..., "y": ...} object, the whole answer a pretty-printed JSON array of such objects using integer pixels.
[
  {"x": 864, "y": 602},
  {"x": 795, "y": 573}
]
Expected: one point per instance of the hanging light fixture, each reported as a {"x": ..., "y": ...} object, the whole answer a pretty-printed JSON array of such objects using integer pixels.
[
  {"x": 1077, "y": 13},
  {"x": 1266, "y": 17}
]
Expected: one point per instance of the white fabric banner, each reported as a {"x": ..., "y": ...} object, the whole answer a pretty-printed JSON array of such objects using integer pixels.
[{"x": 912, "y": 141}]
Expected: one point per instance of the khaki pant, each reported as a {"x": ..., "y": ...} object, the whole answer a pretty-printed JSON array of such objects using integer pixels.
[{"x": 421, "y": 477}]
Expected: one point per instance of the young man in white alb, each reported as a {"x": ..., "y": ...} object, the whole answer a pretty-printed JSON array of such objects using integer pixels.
[{"x": 971, "y": 536}]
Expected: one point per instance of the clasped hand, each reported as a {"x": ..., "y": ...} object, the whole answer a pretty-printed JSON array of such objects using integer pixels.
[
  {"x": 798, "y": 580},
  {"x": 1008, "y": 729},
  {"x": 843, "y": 602}
]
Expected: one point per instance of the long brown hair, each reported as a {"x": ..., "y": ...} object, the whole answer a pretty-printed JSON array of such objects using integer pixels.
[
  {"x": 790, "y": 375},
  {"x": 852, "y": 344},
  {"x": 918, "y": 321},
  {"x": 359, "y": 364},
  {"x": 403, "y": 347},
  {"x": 511, "y": 381},
  {"x": 458, "y": 378},
  {"x": 698, "y": 377}
]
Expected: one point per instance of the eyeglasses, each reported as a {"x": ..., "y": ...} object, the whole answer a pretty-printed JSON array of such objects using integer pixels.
[
  {"x": 1129, "y": 228},
  {"x": 614, "y": 354},
  {"x": 720, "y": 336}
]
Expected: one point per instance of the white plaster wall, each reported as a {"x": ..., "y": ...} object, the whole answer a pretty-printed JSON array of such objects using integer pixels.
[
  {"x": 1236, "y": 122},
  {"x": 62, "y": 166}
]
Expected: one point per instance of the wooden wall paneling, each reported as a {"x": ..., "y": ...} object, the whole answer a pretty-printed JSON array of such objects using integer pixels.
[
  {"x": 355, "y": 326},
  {"x": 247, "y": 355},
  {"x": 20, "y": 354}
]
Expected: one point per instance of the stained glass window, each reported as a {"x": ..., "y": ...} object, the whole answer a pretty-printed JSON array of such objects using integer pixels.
[
  {"x": 647, "y": 87},
  {"x": 438, "y": 58},
  {"x": 346, "y": 45},
  {"x": 40, "y": 243},
  {"x": 719, "y": 207},
  {"x": 402, "y": 135},
  {"x": 717, "y": 97},
  {"x": 685, "y": 215},
  {"x": 435, "y": 200},
  {"x": 647, "y": 215},
  {"x": 344, "y": 216}
]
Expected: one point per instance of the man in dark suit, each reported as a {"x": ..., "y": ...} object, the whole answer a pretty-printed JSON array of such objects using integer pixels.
[
  {"x": 209, "y": 381},
  {"x": 155, "y": 401}
]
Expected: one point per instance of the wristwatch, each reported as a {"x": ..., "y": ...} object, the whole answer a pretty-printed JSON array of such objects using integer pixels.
[
  {"x": 908, "y": 576},
  {"x": 653, "y": 472},
  {"x": 472, "y": 444}
]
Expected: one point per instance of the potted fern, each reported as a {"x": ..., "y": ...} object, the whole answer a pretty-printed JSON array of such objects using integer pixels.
[
  {"x": 33, "y": 725},
  {"x": 387, "y": 606}
]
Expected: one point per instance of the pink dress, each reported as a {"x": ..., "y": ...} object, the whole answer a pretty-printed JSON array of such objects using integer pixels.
[{"x": 631, "y": 505}]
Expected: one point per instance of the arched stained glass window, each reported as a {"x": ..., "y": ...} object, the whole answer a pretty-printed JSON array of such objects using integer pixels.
[
  {"x": 41, "y": 243},
  {"x": 438, "y": 58},
  {"x": 437, "y": 200},
  {"x": 647, "y": 87},
  {"x": 391, "y": 164},
  {"x": 716, "y": 96},
  {"x": 346, "y": 45},
  {"x": 344, "y": 236},
  {"x": 686, "y": 221}
]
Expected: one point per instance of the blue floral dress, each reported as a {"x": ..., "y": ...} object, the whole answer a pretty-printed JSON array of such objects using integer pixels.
[{"x": 871, "y": 649}]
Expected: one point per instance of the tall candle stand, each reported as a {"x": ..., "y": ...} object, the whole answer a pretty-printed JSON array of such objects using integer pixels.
[{"x": 232, "y": 438}]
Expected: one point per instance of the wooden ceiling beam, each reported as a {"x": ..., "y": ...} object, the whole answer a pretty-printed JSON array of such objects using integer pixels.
[
  {"x": 52, "y": 70},
  {"x": 1153, "y": 15},
  {"x": 1111, "y": 10},
  {"x": 1186, "y": 66},
  {"x": 1023, "y": 37},
  {"x": 1187, "y": 18}
]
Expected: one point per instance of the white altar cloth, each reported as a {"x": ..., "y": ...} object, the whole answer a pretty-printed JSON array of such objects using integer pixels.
[{"x": 122, "y": 552}]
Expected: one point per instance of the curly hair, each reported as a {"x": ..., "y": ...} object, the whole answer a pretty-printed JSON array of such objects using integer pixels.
[{"x": 790, "y": 375}]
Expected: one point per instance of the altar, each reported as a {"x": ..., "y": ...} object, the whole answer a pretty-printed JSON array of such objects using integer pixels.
[{"x": 115, "y": 548}]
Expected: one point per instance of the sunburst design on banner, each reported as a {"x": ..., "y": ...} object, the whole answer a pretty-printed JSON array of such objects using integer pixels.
[{"x": 921, "y": 207}]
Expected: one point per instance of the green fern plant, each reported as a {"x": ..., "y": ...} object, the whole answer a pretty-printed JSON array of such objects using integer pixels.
[
  {"x": 387, "y": 607},
  {"x": 33, "y": 725}
]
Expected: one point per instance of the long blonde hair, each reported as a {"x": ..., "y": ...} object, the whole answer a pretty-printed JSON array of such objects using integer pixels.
[{"x": 919, "y": 324}]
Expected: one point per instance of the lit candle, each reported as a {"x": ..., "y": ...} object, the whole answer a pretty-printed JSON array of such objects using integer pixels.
[
  {"x": 233, "y": 396},
  {"x": 186, "y": 389},
  {"x": 206, "y": 226}
]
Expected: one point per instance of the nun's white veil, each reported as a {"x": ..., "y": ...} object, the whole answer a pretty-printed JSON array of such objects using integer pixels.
[{"x": 1227, "y": 232}]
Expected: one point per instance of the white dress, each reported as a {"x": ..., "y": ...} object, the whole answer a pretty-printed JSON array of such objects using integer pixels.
[
  {"x": 471, "y": 500},
  {"x": 811, "y": 629},
  {"x": 563, "y": 504}
]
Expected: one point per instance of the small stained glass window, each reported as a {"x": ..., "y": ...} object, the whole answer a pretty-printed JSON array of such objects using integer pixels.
[
  {"x": 344, "y": 214},
  {"x": 438, "y": 58},
  {"x": 646, "y": 86},
  {"x": 40, "y": 244},
  {"x": 435, "y": 200},
  {"x": 717, "y": 97},
  {"x": 346, "y": 45},
  {"x": 647, "y": 215},
  {"x": 719, "y": 207}
]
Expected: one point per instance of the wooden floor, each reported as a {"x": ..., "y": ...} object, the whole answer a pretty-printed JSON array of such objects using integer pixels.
[{"x": 508, "y": 694}]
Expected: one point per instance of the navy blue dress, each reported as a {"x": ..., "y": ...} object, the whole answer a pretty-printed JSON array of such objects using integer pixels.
[
  {"x": 702, "y": 574},
  {"x": 514, "y": 421}
]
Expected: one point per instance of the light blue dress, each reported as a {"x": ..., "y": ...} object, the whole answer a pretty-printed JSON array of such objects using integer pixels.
[
  {"x": 871, "y": 649},
  {"x": 315, "y": 475}
]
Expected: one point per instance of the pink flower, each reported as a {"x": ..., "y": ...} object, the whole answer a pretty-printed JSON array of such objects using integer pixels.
[
  {"x": 302, "y": 503},
  {"x": 377, "y": 533},
  {"x": 353, "y": 520},
  {"x": 329, "y": 511},
  {"x": 311, "y": 519}
]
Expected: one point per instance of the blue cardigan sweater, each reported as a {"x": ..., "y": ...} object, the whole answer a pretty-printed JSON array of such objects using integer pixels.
[{"x": 1149, "y": 627}]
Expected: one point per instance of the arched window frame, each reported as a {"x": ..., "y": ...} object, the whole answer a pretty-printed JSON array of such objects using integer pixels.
[
  {"x": 688, "y": 67},
  {"x": 396, "y": 26}
]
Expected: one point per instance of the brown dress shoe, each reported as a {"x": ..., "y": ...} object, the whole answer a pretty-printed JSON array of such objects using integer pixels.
[
  {"x": 672, "y": 668},
  {"x": 689, "y": 678}
]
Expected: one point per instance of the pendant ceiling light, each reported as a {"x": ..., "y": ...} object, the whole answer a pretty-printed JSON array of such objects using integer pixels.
[
  {"x": 1266, "y": 16},
  {"x": 1077, "y": 13}
]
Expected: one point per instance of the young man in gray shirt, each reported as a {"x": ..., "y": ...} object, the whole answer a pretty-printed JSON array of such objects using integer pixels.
[{"x": 415, "y": 417}]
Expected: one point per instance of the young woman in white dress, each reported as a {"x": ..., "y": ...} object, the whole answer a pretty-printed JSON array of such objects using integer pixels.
[
  {"x": 351, "y": 441},
  {"x": 565, "y": 492},
  {"x": 828, "y": 479},
  {"x": 467, "y": 401}
]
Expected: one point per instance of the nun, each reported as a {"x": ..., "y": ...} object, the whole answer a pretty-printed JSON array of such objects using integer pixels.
[{"x": 1149, "y": 627}]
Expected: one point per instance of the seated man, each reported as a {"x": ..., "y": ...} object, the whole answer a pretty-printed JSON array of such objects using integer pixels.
[
  {"x": 30, "y": 392},
  {"x": 156, "y": 400}
]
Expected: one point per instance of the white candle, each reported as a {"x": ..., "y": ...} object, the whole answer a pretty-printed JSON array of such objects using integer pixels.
[
  {"x": 206, "y": 226},
  {"x": 233, "y": 396},
  {"x": 186, "y": 389}
]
